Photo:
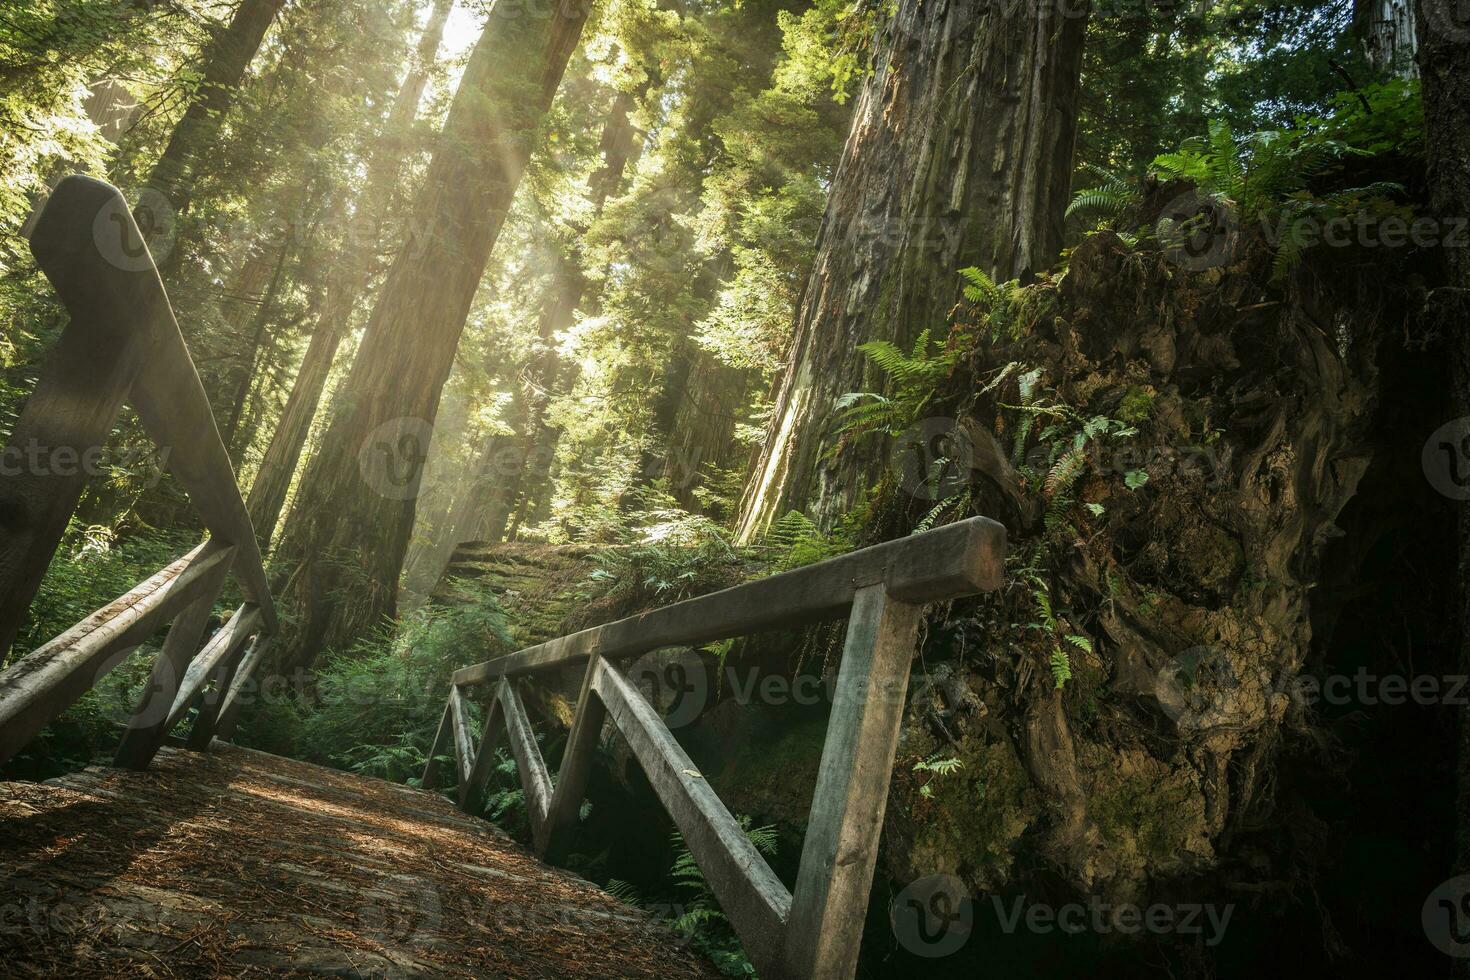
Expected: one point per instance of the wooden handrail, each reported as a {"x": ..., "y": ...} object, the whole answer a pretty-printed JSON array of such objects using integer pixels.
[
  {"x": 123, "y": 344},
  {"x": 955, "y": 560},
  {"x": 813, "y": 931}
]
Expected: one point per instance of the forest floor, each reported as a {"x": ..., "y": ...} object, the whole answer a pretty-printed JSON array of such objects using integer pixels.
[{"x": 239, "y": 863}]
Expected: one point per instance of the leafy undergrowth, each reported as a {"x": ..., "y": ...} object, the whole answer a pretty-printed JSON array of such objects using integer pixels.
[
  {"x": 376, "y": 708},
  {"x": 90, "y": 570}
]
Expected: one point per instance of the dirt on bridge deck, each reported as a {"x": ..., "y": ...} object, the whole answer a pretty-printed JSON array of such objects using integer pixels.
[{"x": 240, "y": 864}]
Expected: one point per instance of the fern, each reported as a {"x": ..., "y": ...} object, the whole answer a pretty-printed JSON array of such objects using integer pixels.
[
  {"x": 915, "y": 377},
  {"x": 1061, "y": 667},
  {"x": 936, "y": 766},
  {"x": 1108, "y": 199},
  {"x": 794, "y": 540},
  {"x": 623, "y": 891}
]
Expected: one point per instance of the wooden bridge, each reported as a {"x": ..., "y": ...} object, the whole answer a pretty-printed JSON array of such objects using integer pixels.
[{"x": 213, "y": 860}]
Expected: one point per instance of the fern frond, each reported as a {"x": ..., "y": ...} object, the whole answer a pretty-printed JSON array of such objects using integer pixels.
[
  {"x": 1061, "y": 667},
  {"x": 1106, "y": 202}
]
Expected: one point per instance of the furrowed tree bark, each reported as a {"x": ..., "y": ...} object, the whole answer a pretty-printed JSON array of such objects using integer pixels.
[
  {"x": 346, "y": 289},
  {"x": 703, "y": 433},
  {"x": 1444, "y": 67},
  {"x": 348, "y": 532},
  {"x": 960, "y": 154},
  {"x": 226, "y": 59}
]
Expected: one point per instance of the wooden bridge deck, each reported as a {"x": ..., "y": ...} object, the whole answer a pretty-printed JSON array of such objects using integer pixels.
[{"x": 238, "y": 863}]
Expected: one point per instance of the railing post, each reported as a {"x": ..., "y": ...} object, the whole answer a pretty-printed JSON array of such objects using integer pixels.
[
  {"x": 529, "y": 764},
  {"x": 224, "y": 729},
  {"x": 430, "y": 779},
  {"x": 63, "y": 429},
  {"x": 472, "y": 790},
  {"x": 212, "y": 701},
  {"x": 576, "y": 765},
  {"x": 830, "y": 902},
  {"x": 147, "y": 727}
]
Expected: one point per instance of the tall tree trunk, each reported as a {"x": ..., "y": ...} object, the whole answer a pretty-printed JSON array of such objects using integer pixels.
[
  {"x": 226, "y": 59},
  {"x": 349, "y": 530},
  {"x": 272, "y": 481},
  {"x": 245, "y": 372},
  {"x": 1390, "y": 39},
  {"x": 1444, "y": 66},
  {"x": 702, "y": 437},
  {"x": 348, "y": 285},
  {"x": 960, "y": 155},
  {"x": 517, "y": 503}
]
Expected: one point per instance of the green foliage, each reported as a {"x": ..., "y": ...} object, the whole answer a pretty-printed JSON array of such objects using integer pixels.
[
  {"x": 1379, "y": 118},
  {"x": 914, "y": 379},
  {"x": 376, "y": 707},
  {"x": 674, "y": 556},
  {"x": 700, "y": 918},
  {"x": 936, "y": 765},
  {"x": 794, "y": 540},
  {"x": 1269, "y": 177},
  {"x": 1061, "y": 667},
  {"x": 1108, "y": 199}
]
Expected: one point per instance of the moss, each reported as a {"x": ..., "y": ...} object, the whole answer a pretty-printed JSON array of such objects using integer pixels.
[
  {"x": 1159, "y": 815},
  {"x": 1210, "y": 556},
  {"x": 772, "y": 779},
  {"x": 972, "y": 818},
  {"x": 1137, "y": 405}
]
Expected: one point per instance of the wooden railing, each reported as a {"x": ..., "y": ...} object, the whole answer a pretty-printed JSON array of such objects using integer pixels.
[
  {"x": 813, "y": 931},
  {"x": 121, "y": 345}
]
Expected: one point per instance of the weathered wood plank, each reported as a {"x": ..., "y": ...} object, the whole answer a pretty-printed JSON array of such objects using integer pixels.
[
  {"x": 230, "y": 713},
  {"x": 121, "y": 288},
  {"x": 145, "y": 732},
  {"x": 212, "y": 701},
  {"x": 534, "y": 778},
  {"x": 463, "y": 750},
  {"x": 948, "y": 562},
  {"x": 750, "y": 894},
  {"x": 221, "y": 646},
  {"x": 576, "y": 764},
  {"x": 38, "y": 687},
  {"x": 430, "y": 778},
  {"x": 472, "y": 790},
  {"x": 831, "y": 898},
  {"x": 64, "y": 426}
]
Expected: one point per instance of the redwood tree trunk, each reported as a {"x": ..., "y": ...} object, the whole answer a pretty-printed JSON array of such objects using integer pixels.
[
  {"x": 226, "y": 59},
  {"x": 1444, "y": 66},
  {"x": 348, "y": 284},
  {"x": 349, "y": 529},
  {"x": 960, "y": 155}
]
